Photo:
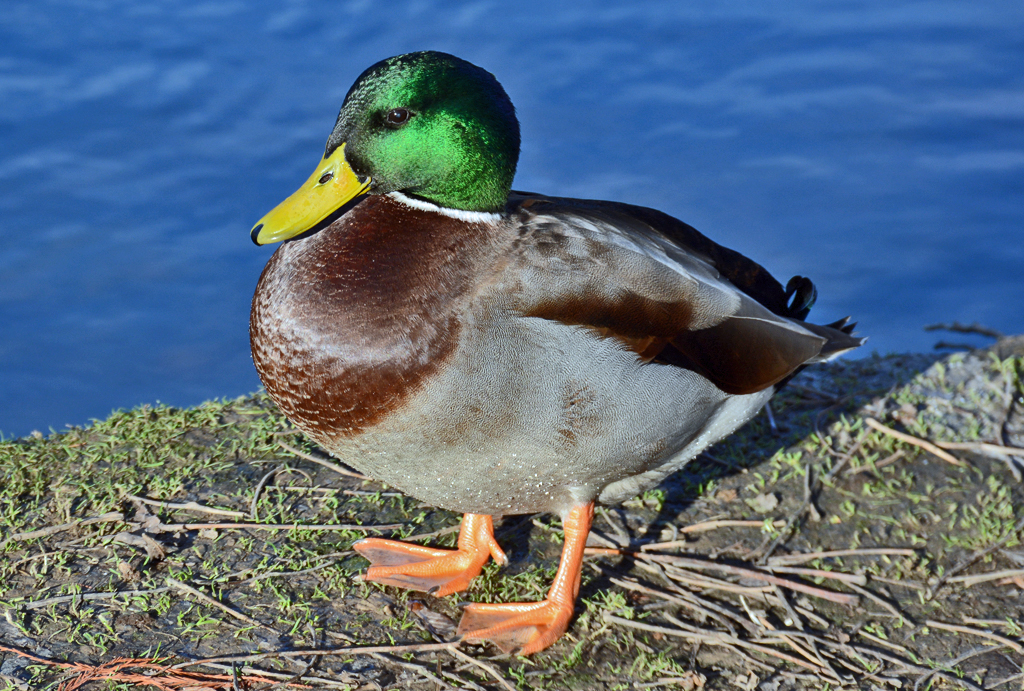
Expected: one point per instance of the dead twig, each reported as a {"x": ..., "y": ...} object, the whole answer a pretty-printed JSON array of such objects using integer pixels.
[
  {"x": 708, "y": 583},
  {"x": 793, "y": 559},
  {"x": 981, "y": 447},
  {"x": 612, "y": 519},
  {"x": 188, "y": 506},
  {"x": 916, "y": 441},
  {"x": 882, "y": 642},
  {"x": 858, "y": 652},
  {"x": 490, "y": 669},
  {"x": 988, "y": 622},
  {"x": 111, "y": 517},
  {"x": 1016, "y": 647},
  {"x": 716, "y": 638},
  {"x": 256, "y": 495},
  {"x": 845, "y": 458},
  {"x": 1015, "y": 677},
  {"x": 717, "y": 613},
  {"x": 969, "y": 581},
  {"x": 885, "y": 604},
  {"x": 278, "y": 574},
  {"x": 705, "y": 526},
  {"x": 203, "y": 597},
  {"x": 839, "y": 598},
  {"x": 437, "y": 533},
  {"x": 610, "y": 546},
  {"x": 855, "y": 578},
  {"x": 808, "y": 649},
  {"x": 351, "y": 650},
  {"x": 280, "y": 676},
  {"x": 322, "y": 461},
  {"x": 36, "y": 604}
]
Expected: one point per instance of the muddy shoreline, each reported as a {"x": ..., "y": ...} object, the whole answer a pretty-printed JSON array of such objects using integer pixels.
[{"x": 825, "y": 550}]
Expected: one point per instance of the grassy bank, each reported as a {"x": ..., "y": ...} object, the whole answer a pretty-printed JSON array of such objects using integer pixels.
[{"x": 821, "y": 551}]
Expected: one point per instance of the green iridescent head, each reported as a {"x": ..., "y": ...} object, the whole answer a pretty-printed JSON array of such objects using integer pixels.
[
  {"x": 429, "y": 125},
  {"x": 432, "y": 126}
]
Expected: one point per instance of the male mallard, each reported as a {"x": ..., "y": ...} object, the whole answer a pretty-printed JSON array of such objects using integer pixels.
[{"x": 495, "y": 352}]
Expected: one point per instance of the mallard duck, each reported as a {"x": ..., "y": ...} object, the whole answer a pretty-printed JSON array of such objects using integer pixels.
[{"x": 494, "y": 352}]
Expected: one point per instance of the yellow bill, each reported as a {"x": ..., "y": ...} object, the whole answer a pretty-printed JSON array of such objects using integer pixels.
[{"x": 331, "y": 186}]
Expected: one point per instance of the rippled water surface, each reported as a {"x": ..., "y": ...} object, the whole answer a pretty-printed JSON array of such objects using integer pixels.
[{"x": 876, "y": 146}]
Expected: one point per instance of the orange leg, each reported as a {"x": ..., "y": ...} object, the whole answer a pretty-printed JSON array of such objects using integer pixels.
[
  {"x": 533, "y": 626},
  {"x": 437, "y": 571}
]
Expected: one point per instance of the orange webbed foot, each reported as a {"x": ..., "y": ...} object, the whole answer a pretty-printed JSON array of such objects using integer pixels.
[
  {"x": 528, "y": 627},
  {"x": 436, "y": 571},
  {"x": 533, "y": 626}
]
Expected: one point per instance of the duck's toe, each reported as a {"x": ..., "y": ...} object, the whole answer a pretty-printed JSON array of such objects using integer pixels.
[
  {"x": 528, "y": 627},
  {"x": 439, "y": 572}
]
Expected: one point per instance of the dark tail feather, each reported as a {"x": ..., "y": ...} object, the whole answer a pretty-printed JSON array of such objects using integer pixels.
[
  {"x": 838, "y": 337},
  {"x": 843, "y": 325},
  {"x": 800, "y": 297}
]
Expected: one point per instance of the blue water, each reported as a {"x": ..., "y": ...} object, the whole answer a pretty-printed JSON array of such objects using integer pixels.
[{"x": 875, "y": 146}]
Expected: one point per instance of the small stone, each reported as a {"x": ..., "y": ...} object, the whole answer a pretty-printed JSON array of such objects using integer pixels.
[{"x": 763, "y": 503}]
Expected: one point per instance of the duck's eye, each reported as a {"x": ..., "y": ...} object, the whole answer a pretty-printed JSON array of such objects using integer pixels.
[
  {"x": 326, "y": 177},
  {"x": 397, "y": 117}
]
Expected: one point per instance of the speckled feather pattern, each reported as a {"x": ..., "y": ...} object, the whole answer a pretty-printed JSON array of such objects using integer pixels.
[{"x": 517, "y": 366}]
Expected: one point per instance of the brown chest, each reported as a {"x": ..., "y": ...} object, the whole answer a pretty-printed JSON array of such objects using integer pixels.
[{"x": 348, "y": 323}]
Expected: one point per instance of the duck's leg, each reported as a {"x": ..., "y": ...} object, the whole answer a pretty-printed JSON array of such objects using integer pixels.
[
  {"x": 436, "y": 571},
  {"x": 533, "y": 626}
]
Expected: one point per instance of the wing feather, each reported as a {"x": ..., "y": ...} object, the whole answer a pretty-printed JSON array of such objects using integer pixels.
[{"x": 662, "y": 289}]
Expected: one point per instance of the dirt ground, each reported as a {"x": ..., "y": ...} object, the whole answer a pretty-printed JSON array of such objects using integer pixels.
[{"x": 208, "y": 548}]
